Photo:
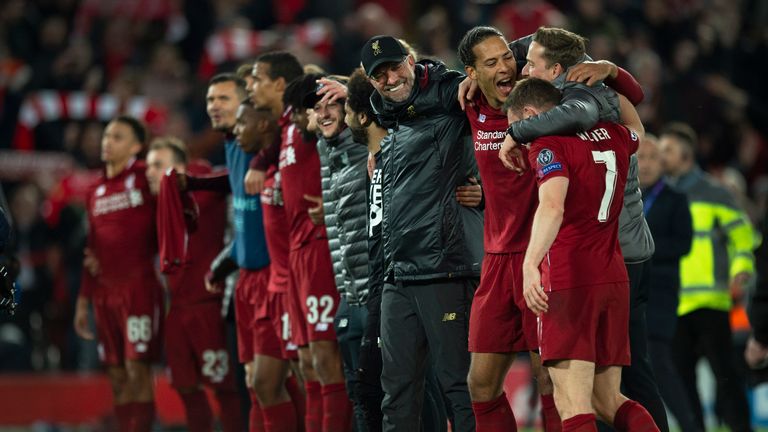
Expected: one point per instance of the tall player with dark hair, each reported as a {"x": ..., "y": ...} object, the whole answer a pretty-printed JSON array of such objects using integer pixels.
[
  {"x": 119, "y": 274},
  {"x": 309, "y": 257}
]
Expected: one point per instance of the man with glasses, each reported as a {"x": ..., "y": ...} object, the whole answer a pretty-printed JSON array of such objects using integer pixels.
[{"x": 432, "y": 245}]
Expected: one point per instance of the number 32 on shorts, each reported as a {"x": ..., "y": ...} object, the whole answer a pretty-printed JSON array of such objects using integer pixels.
[{"x": 319, "y": 310}]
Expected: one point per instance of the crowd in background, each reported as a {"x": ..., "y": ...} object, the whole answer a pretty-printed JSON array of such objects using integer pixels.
[{"x": 68, "y": 65}]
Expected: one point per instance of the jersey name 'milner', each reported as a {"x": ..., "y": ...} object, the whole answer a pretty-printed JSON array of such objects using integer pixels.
[
  {"x": 595, "y": 135},
  {"x": 485, "y": 136}
]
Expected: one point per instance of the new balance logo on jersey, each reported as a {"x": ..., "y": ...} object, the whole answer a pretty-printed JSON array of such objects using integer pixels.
[{"x": 449, "y": 316}]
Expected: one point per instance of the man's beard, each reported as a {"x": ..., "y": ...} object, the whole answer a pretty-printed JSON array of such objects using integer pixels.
[{"x": 360, "y": 135}]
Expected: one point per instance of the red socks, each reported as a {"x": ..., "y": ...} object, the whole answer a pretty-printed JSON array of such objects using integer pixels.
[
  {"x": 494, "y": 416},
  {"x": 198, "y": 411},
  {"x": 123, "y": 412},
  {"x": 256, "y": 421},
  {"x": 337, "y": 408},
  {"x": 280, "y": 418},
  {"x": 143, "y": 416},
  {"x": 231, "y": 417},
  {"x": 580, "y": 423},
  {"x": 313, "y": 420},
  {"x": 298, "y": 399},
  {"x": 549, "y": 414},
  {"x": 631, "y": 416}
]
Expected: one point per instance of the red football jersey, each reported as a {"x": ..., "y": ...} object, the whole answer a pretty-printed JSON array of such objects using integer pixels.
[
  {"x": 275, "y": 231},
  {"x": 510, "y": 198},
  {"x": 300, "y": 175},
  {"x": 586, "y": 250},
  {"x": 188, "y": 285},
  {"x": 122, "y": 236}
]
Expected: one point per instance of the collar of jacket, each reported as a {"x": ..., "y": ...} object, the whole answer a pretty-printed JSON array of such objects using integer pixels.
[
  {"x": 342, "y": 138},
  {"x": 390, "y": 113}
]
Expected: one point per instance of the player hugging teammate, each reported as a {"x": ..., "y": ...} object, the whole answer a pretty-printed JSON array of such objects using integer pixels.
[{"x": 382, "y": 285}]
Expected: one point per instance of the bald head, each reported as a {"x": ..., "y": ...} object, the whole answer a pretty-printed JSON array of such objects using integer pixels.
[{"x": 649, "y": 162}]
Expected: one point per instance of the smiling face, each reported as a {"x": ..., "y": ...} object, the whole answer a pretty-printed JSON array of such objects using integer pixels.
[
  {"x": 494, "y": 70},
  {"x": 330, "y": 118},
  {"x": 394, "y": 81},
  {"x": 536, "y": 64}
]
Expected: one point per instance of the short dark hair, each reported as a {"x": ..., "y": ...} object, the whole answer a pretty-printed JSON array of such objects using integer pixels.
[
  {"x": 281, "y": 65},
  {"x": 359, "y": 91},
  {"x": 560, "y": 46},
  {"x": 175, "y": 145},
  {"x": 683, "y": 133},
  {"x": 136, "y": 125},
  {"x": 473, "y": 37},
  {"x": 531, "y": 91},
  {"x": 298, "y": 88},
  {"x": 233, "y": 78}
]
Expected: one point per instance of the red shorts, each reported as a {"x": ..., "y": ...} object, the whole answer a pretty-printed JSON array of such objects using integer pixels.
[
  {"x": 500, "y": 321},
  {"x": 588, "y": 323},
  {"x": 312, "y": 274},
  {"x": 251, "y": 285},
  {"x": 281, "y": 326},
  {"x": 297, "y": 324},
  {"x": 196, "y": 347},
  {"x": 129, "y": 331}
]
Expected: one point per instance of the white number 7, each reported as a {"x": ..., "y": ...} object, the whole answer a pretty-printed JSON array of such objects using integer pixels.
[{"x": 608, "y": 158}]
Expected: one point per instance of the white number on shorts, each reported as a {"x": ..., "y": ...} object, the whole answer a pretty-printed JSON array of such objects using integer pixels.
[
  {"x": 608, "y": 158},
  {"x": 286, "y": 326},
  {"x": 313, "y": 304},
  {"x": 139, "y": 329},
  {"x": 215, "y": 365}
]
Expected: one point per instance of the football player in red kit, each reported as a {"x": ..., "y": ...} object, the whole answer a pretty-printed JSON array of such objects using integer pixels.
[
  {"x": 500, "y": 323},
  {"x": 312, "y": 279},
  {"x": 581, "y": 293},
  {"x": 195, "y": 339},
  {"x": 119, "y": 277}
]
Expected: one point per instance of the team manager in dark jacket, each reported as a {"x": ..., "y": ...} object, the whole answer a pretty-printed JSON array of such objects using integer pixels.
[{"x": 432, "y": 245}]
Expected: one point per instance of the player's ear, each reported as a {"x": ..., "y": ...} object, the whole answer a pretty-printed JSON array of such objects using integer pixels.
[
  {"x": 557, "y": 70},
  {"x": 362, "y": 118},
  {"x": 471, "y": 72},
  {"x": 280, "y": 83}
]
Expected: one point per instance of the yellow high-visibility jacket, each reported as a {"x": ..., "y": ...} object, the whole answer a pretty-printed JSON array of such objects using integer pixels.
[{"x": 723, "y": 244}]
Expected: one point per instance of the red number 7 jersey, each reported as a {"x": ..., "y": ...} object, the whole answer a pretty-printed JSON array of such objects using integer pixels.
[{"x": 586, "y": 250}]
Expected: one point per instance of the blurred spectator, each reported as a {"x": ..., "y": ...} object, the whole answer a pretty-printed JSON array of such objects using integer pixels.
[
  {"x": 756, "y": 353},
  {"x": 518, "y": 18},
  {"x": 669, "y": 219},
  {"x": 435, "y": 37},
  {"x": 718, "y": 266},
  {"x": 599, "y": 26}
]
